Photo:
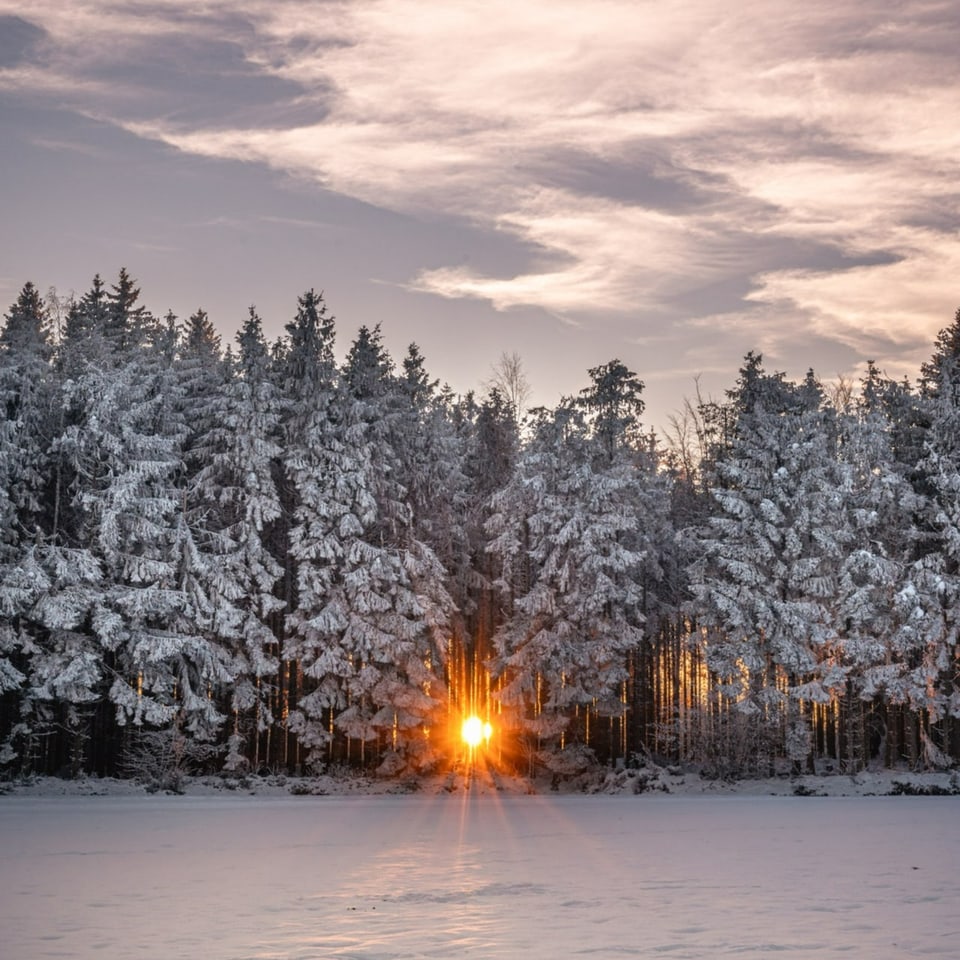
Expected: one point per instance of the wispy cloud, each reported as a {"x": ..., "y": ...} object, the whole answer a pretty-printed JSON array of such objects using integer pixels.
[{"x": 801, "y": 159}]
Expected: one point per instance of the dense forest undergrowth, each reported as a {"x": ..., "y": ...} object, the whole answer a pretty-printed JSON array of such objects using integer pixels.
[{"x": 263, "y": 560}]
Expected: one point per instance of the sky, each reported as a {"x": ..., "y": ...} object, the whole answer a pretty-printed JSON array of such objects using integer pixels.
[{"x": 668, "y": 184}]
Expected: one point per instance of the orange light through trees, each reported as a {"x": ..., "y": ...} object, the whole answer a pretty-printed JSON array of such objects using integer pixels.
[{"x": 474, "y": 732}]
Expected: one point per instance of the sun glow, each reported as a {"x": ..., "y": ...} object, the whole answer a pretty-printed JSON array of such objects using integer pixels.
[{"x": 474, "y": 732}]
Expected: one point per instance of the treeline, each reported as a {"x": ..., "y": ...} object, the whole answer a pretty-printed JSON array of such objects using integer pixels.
[{"x": 259, "y": 558}]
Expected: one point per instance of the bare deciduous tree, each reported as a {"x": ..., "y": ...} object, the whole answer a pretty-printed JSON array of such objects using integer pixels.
[
  {"x": 508, "y": 377},
  {"x": 841, "y": 393}
]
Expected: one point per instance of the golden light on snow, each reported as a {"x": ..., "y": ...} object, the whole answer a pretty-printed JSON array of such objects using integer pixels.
[{"x": 474, "y": 731}]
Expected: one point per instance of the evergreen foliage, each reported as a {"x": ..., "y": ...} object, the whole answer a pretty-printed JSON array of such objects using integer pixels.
[{"x": 271, "y": 559}]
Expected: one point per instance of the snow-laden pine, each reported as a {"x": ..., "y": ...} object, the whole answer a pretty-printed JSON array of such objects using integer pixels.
[{"x": 275, "y": 557}]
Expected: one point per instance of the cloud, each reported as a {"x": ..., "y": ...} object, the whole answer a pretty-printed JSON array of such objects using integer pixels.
[
  {"x": 19, "y": 38},
  {"x": 186, "y": 70},
  {"x": 920, "y": 295},
  {"x": 664, "y": 163}
]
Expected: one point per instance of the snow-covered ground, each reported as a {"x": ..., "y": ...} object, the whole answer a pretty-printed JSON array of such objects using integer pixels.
[
  {"x": 223, "y": 875},
  {"x": 648, "y": 778}
]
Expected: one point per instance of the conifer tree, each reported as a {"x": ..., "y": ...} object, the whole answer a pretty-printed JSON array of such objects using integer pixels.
[
  {"x": 315, "y": 459},
  {"x": 128, "y": 447},
  {"x": 82, "y": 341},
  {"x": 567, "y": 531},
  {"x": 25, "y": 412},
  {"x": 881, "y": 613},
  {"x": 490, "y": 440},
  {"x": 430, "y": 461},
  {"x": 766, "y": 585},
  {"x": 236, "y": 498},
  {"x": 26, "y": 401},
  {"x": 383, "y": 604},
  {"x": 934, "y": 655},
  {"x": 127, "y": 323}
]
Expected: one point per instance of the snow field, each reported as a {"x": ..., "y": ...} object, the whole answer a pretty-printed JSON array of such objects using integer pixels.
[{"x": 470, "y": 874}]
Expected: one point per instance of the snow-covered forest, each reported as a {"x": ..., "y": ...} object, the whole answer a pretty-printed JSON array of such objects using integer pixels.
[{"x": 259, "y": 557}]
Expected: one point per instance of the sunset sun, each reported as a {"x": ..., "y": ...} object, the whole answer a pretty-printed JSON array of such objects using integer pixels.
[{"x": 474, "y": 732}]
